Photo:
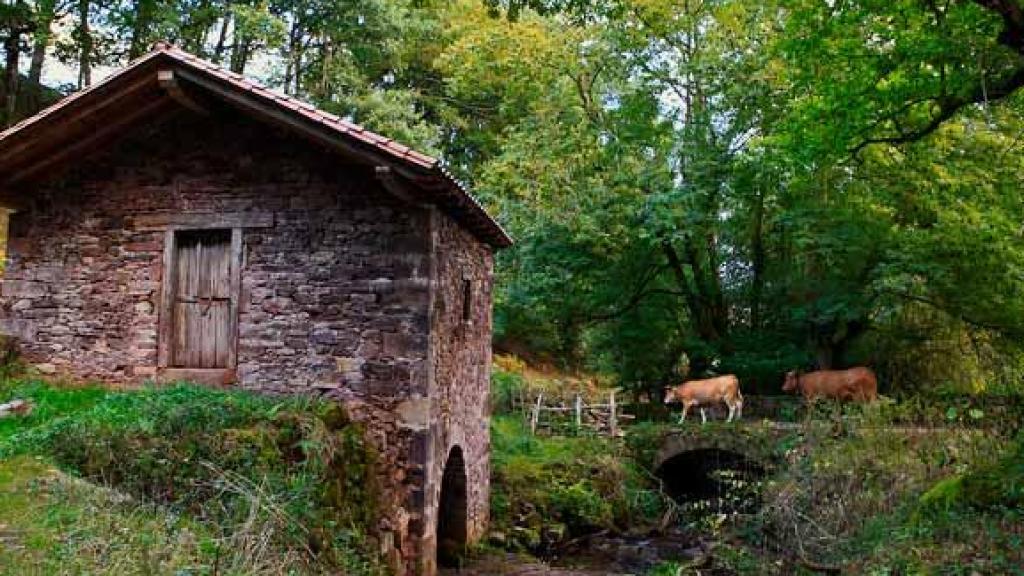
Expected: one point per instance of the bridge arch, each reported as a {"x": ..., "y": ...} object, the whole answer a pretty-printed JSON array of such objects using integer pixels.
[
  {"x": 452, "y": 514},
  {"x": 699, "y": 465}
]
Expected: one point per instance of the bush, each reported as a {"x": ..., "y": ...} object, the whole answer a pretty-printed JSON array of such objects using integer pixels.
[
  {"x": 855, "y": 487},
  {"x": 997, "y": 485},
  {"x": 545, "y": 489},
  {"x": 294, "y": 473},
  {"x": 506, "y": 388}
]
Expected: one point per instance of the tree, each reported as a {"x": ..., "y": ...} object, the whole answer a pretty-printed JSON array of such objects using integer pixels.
[{"x": 15, "y": 22}]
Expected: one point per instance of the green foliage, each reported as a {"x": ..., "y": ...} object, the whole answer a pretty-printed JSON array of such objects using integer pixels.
[
  {"x": 644, "y": 221},
  {"x": 545, "y": 489},
  {"x": 57, "y": 524},
  {"x": 874, "y": 496},
  {"x": 752, "y": 186},
  {"x": 48, "y": 403},
  {"x": 223, "y": 458}
]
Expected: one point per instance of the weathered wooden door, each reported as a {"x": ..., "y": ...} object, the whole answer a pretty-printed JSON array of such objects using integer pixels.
[{"x": 202, "y": 299}]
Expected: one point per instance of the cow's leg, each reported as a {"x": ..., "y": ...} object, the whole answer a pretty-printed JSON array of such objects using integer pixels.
[
  {"x": 739, "y": 408},
  {"x": 686, "y": 408},
  {"x": 703, "y": 417},
  {"x": 732, "y": 410}
]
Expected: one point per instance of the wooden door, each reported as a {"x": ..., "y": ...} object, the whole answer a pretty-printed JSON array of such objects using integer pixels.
[{"x": 202, "y": 299}]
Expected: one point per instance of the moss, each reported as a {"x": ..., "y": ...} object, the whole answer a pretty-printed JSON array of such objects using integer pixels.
[{"x": 944, "y": 495}]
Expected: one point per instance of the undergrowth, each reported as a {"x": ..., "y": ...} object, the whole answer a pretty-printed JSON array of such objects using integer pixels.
[
  {"x": 281, "y": 484},
  {"x": 862, "y": 491},
  {"x": 546, "y": 490}
]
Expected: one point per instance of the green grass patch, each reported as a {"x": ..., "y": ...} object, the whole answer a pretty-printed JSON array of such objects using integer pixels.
[
  {"x": 285, "y": 483},
  {"x": 546, "y": 489},
  {"x": 48, "y": 403},
  {"x": 51, "y": 523}
]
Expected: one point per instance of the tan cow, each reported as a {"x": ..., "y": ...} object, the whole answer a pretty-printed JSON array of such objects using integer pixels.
[
  {"x": 856, "y": 384},
  {"x": 704, "y": 392}
]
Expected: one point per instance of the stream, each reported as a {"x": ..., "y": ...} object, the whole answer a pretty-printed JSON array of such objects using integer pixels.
[{"x": 597, "y": 555}]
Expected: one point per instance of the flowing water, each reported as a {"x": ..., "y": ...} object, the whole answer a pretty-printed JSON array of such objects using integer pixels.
[{"x": 597, "y": 555}]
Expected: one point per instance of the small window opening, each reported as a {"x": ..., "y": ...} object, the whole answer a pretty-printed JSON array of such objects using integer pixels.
[
  {"x": 6, "y": 232},
  {"x": 467, "y": 300}
]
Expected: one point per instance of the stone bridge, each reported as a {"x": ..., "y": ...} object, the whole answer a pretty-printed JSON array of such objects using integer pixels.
[{"x": 688, "y": 457}]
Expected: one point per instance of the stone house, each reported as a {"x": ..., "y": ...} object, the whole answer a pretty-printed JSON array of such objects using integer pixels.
[{"x": 179, "y": 222}]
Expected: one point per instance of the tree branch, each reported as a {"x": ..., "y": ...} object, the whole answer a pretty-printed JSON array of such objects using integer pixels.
[
  {"x": 1011, "y": 331},
  {"x": 1011, "y": 36}
]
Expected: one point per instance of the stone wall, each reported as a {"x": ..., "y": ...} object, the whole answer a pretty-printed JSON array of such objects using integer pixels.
[
  {"x": 336, "y": 295},
  {"x": 460, "y": 352}
]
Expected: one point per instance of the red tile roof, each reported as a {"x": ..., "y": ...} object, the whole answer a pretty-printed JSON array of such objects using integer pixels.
[{"x": 453, "y": 197}]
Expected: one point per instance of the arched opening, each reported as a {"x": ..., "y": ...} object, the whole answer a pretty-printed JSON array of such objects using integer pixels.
[
  {"x": 452, "y": 512},
  {"x": 712, "y": 480}
]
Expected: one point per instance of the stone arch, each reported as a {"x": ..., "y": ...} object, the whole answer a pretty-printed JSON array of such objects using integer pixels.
[
  {"x": 693, "y": 475},
  {"x": 452, "y": 512},
  {"x": 700, "y": 464}
]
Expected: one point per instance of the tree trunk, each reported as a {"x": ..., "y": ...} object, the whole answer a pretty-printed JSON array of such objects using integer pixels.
[
  {"x": 46, "y": 13},
  {"x": 222, "y": 38},
  {"x": 758, "y": 258},
  {"x": 293, "y": 59},
  {"x": 10, "y": 88},
  {"x": 297, "y": 55},
  {"x": 85, "y": 48},
  {"x": 701, "y": 313},
  {"x": 711, "y": 307},
  {"x": 240, "y": 54}
]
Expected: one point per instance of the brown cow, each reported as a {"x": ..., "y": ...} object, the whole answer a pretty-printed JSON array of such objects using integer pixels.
[
  {"x": 704, "y": 392},
  {"x": 856, "y": 384}
]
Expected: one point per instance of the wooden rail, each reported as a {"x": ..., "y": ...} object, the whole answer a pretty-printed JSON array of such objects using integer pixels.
[{"x": 603, "y": 417}]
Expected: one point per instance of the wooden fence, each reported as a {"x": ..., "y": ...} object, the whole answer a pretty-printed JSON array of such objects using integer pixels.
[{"x": 577, "y": 415}]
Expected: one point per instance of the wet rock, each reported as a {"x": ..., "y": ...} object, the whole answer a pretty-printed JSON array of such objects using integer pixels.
[{"x": 497, "y": 539}]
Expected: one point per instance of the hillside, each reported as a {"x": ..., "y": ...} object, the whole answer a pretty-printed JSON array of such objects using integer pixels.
[{"x": 181, "y": 478}]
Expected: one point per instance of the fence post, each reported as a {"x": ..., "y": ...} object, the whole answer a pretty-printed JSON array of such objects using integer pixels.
[
  {"x": 613, "y": 425},
  {"x": 579, "y": 412},
  {"x": 536, "y": 414}
]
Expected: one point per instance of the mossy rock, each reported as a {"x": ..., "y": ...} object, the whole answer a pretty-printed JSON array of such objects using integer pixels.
[{"x": 944, "y": 495}]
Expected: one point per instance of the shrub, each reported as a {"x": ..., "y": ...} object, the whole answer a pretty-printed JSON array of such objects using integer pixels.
[
  {"x": 995, "y": 485},
  {"x": 569, "y": 486},
  {"x": 506, "y": 389}
]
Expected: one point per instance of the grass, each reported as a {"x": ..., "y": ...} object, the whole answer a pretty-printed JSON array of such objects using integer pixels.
[
  {"x": 548, "y": 489},
  {"x": 275, "y": 485},
  {"x": 51, "y": 523},
  {"x": 968, "y": 522},
  {"x": 876, "y": 499},
  {"x": 48, "y": 402}
]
